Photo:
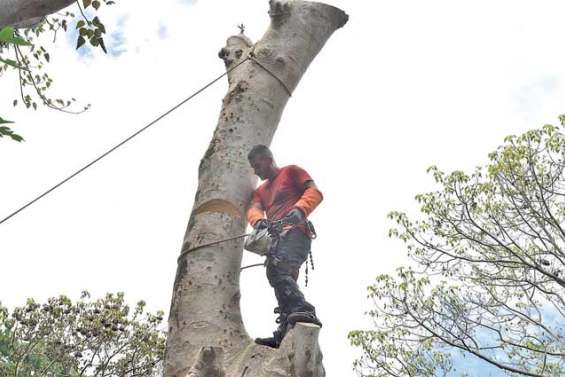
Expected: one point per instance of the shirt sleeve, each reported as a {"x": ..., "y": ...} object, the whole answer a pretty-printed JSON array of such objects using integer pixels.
[
  {"x": 255, "y": 211},
  {"x": 311, "y": 198}
]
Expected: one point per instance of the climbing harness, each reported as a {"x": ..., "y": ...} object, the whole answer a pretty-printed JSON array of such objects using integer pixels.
[{"x": 263, "y": 242}]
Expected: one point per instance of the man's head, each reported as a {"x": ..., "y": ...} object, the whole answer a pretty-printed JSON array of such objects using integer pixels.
[{"x": 261, "y": 160}]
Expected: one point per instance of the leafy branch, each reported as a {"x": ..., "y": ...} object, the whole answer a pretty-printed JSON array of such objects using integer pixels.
[{"x": 21, "y": 51}]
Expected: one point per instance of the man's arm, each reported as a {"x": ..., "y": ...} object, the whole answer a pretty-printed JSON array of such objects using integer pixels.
[
  {"x": 311, "y": 197},
  {"x": 256, "y": 212}
]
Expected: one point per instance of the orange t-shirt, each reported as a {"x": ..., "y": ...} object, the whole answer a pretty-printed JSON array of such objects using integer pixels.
[{"x": 279, "y": 195}]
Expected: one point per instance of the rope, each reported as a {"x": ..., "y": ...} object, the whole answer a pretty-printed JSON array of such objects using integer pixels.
[
  {"x": 122, "y": 142},
  {"x": 254, "y": 59},
  {"x": 252, "y": 265},
  {"x": 184, "y": 252},
  {"x": 188, "y": 251}
]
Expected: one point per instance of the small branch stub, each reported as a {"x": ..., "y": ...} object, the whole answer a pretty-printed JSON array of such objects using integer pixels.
[{"x": 208, "y": 363}]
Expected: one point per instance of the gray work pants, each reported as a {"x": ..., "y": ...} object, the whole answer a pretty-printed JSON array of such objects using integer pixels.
[{"x": 282, "y": 271}]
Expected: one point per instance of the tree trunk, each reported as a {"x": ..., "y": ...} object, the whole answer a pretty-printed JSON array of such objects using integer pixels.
[
  {"x": 23, "y": 13},
  {"x": 206, "y": 332}
]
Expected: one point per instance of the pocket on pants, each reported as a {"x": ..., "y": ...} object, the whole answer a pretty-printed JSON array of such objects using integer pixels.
[{"x": 294, "y": 247}]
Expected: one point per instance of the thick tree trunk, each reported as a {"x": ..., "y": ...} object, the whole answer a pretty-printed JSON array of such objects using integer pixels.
[
  {"x": 23, "y": 13},
  {"x": 206, "y": 332}
]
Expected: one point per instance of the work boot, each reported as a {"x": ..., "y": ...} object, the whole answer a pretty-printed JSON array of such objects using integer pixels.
[
  {"x": 278, "y": 334},
  {"x": 307, "y": 317},
  {"x": 273, "y": 342}
]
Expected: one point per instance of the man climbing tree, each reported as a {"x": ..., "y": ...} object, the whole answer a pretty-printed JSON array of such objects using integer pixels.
[
  {"x": 288, "y": 194},
  {"x": 206, "y": 333}
]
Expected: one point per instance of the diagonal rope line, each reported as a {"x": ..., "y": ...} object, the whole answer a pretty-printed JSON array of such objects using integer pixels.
[{"x": 122, "y": 142}]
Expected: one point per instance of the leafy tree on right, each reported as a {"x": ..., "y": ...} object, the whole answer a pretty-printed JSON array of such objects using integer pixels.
[{"x": 488, "y": 278}]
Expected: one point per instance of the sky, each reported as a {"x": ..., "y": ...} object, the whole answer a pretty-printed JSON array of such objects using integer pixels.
[{"x": 404, "y": 85}]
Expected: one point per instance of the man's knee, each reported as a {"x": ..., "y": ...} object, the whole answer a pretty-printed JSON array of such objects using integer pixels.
[{"x": 279, "y": 277}]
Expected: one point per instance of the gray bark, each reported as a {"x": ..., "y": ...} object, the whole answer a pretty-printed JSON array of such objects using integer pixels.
[
  {"x": 24, "y": 13},
  {"x": 205, "y": 314}
]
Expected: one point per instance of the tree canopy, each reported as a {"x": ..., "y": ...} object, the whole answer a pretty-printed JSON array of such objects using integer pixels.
[
  {"x": 488, "y": 272},
  {"x": 100, "y": 337}
]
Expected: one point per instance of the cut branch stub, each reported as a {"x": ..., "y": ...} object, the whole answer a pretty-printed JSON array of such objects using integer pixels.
[
  {"x": 208, "y": 363},
  {"x": 205, "y": 309}
]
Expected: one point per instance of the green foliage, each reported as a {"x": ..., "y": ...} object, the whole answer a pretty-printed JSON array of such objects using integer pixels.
[
  {"x": 5, "y": 131},
  {"x": 85, "y": 338},
  {"x": 8, "y": 35},
  {"x": 489, "y": 270},
  {"x": 22, "y": 51}
]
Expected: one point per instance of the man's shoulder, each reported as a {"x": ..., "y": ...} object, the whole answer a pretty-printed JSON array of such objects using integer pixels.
[{"x": 292, "y": 168}]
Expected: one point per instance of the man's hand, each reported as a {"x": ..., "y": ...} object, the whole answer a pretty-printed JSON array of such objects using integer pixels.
[
  {"x": 261, "y": 224},
  {"x": 295, "y": 216}
]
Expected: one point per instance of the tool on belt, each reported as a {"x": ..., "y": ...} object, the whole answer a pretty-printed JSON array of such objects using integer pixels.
[{"x": 263, "y": 240}]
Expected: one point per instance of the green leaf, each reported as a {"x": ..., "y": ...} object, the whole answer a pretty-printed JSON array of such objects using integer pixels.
[
  {"x": 6, "y": 131},
  {"x": 11, "y": 63},
  {"x": 6, "y": 34},
  {"x": 16, "y": 137},
  {"x": 86, "y": 3},
  {"x": 20, "y": 41},
  {"x": 81, "y": 41},
  {"x": 4, "y": 121},
  {"x": 102, "y": 45},
  {"x": 96, "y": 4},
  {"x": 80, "y": 24}
]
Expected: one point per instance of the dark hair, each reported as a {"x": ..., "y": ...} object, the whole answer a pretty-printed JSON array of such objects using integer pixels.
[{"x": 259, "y": 149}]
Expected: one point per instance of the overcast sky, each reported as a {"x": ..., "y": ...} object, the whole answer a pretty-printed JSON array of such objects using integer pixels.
[{"x": 404, "y": 85}]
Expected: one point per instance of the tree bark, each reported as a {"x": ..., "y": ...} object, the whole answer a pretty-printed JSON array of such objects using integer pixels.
[
  {"x": 205, "y": 317},
  {"x": 23, "y": 13}
]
